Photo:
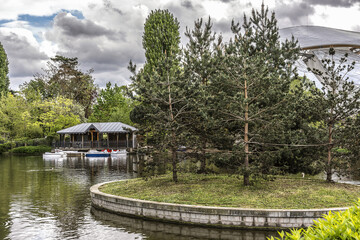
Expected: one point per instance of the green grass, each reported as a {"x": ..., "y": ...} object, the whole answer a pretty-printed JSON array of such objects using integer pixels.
[{"x": 228, "y": 191}]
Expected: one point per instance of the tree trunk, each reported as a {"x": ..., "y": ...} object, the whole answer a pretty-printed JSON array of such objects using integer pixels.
[
  {"x": 246, "y": 140},
  {"x": 328, "y": 167},
  {"x": 173, "y": 136}
]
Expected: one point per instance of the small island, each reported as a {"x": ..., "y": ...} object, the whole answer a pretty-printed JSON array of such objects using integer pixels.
[
  {"x": 220, "y": 201},
  {"x": 219, "y": 190}
]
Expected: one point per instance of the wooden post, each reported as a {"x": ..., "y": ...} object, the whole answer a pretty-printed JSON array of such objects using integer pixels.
[
  {"x": 133, "y": 140},
  {"x": 97, "y": 134},
  {"x": 127, "y": 140},
  {"x": 117, "y": 140},
  {"x": 82, "y": 140},
  {"x": 64, "y": 140},
  {"x": 108, "y": 136}
]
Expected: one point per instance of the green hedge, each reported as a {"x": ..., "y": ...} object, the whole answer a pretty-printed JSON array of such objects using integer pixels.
[
  {"x": 335, "y": 225},
  {"x": 6, "y": 146},
  {"x": 31, "y": 149}
]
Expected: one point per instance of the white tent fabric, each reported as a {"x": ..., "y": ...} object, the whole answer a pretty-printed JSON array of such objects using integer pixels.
[
  {"x": 316, "y": 41},
  {"x": 314, "y": 37}
]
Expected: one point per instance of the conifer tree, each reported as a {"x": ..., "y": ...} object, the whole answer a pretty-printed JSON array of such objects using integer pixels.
[
  {"x": 339, "y": 99},
  {"x": 200, "y": 66},
  {"x": 253, "y": 88},
  {"x": 159, "y": 87}
]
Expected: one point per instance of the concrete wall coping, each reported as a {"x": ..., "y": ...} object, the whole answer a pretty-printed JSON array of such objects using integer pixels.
[{"x": 207, "y": 215}]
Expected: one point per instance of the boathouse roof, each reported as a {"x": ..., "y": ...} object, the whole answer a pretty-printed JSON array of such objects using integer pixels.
[{"x": 108, "y": 127}]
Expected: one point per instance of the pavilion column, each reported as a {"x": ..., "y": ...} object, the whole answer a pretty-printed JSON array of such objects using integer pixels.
[
  {"x": 97, "y": 135},
  {"x": 64, "y": 140},
  {"x": 82, "y": 140},
  {"x": 117, "y": 140},
  {"x": 108, "y": 136},
  {"x": 127, "y": 140},
  {"x": 133, "y": 139}
]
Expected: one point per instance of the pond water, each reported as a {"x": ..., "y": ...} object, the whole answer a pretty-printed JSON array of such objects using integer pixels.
[{"x": 50, "y": 199}]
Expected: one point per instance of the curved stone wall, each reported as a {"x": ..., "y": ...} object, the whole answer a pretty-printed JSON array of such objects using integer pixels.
[{"x": 211, "y": 216}]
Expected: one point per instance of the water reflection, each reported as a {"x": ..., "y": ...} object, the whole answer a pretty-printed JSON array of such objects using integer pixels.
[
  {"x": 50, "y": 199},
  {"x": 164, "y": 231}
]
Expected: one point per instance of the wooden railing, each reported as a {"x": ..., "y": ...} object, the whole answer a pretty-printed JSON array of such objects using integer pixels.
[{"x": 94, "y": 144}]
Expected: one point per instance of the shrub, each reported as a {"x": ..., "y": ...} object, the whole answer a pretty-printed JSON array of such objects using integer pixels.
[
  {"x": 6, "y": 146},
  {"x": 31, "y": 149},
  {"x": 335, "y": 225}
]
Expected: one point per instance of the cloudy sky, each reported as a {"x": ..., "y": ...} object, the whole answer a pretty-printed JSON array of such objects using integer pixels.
[{"x": 106, "y": 34}]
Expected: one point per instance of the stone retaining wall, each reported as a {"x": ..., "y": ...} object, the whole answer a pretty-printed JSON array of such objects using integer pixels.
[{"x": 212, "y": 216}]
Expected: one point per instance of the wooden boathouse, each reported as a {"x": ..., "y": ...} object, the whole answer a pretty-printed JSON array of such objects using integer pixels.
[{"x": 114, "y": 135}]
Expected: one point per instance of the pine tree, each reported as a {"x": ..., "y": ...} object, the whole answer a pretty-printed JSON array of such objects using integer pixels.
[
  {"x": 253, "y": 88},
  {"x": 339, "y": 99},
  {"x": 200, "y": 67}
]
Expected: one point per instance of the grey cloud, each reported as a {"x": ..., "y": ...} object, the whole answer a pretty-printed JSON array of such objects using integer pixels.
[
  {"x": 187, "y": 4},
  {"x": 296, "y": 14},
  {"x": 108, "y": 5},
  {"x": 24, "y": 59},
  {"x": 74, "y": 27},
  {"x": 334, "y": 3}
]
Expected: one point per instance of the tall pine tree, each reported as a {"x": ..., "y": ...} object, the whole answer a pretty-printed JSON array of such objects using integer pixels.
[
  {"x": 200, "y": 66},
  {"x": 253, "y": 88}
]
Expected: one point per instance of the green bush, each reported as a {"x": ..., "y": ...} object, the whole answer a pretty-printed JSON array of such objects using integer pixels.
[
  {"x": 31, "y": 149},
  {"x": 6, "y": 146},
  {"x": 335, "y": 225}
]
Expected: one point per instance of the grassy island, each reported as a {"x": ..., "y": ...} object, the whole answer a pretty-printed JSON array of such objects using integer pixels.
[{"x": 228, "y": 191}]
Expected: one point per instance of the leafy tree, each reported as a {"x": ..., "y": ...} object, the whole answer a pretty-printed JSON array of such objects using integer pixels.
[
  {"x": 253, "y": 89},
  {"x": 339, "y": 99},
  {"x": 200, "y": 66},
  {"x": 14, "y": 117},
  {"x": 112, "y": 105},
  {"x": 63, "y": 78},
  {"x": 57, "y": 113},
  {"x": 159, "y": 88},
  {"x": 161, "y": 38},
  {"x": 4, "y": 71}
]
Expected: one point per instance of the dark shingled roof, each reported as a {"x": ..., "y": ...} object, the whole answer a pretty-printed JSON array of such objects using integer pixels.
[{"x": 108, "y": 127}]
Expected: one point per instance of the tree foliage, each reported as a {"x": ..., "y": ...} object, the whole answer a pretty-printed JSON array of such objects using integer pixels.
[
  {"x": 62, "y": 77},
  {"x": 4, "y": 71},
  {"x": 338, "y": 100},
  {"x": 161, "y": 38},
  {"x": 112, "y": 105},
  {"x": 200, "y": 64},
  {"x": 253, "y": 89},
  {"x": 159, "y": 88},
  {"x": 20, "y": 119}
]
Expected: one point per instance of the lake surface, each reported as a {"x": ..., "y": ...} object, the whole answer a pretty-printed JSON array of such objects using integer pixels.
[{"x": 50, "y": 199}]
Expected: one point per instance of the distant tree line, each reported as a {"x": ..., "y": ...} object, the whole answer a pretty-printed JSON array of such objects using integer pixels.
[{"x": 60, "y": 97}]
